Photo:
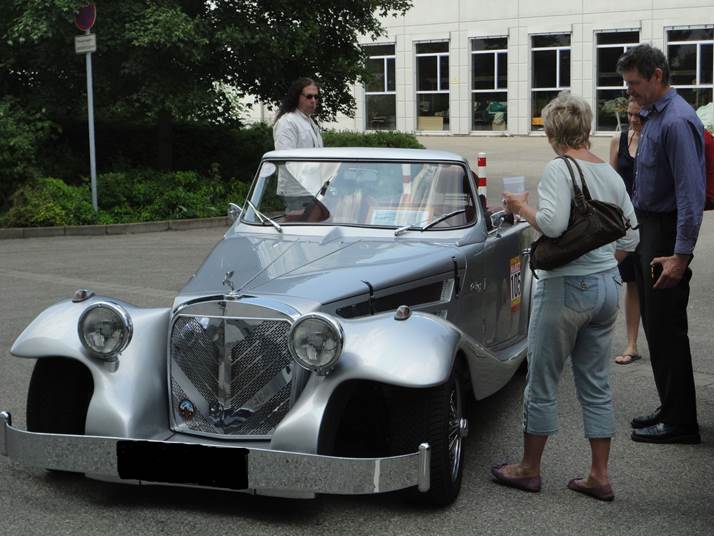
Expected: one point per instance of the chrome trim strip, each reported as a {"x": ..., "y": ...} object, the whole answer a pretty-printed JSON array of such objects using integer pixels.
[{"x": 298, "y": 472}]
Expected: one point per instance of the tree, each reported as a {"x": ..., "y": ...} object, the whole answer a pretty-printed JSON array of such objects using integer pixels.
[{"x": 168, "y": 60}]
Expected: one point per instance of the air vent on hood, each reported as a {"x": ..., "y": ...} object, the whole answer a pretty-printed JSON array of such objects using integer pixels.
[{"x": 430, "y": 293}]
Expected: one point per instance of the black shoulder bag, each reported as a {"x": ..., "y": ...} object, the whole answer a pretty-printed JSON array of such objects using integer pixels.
[{"x": 592, "y": 224}]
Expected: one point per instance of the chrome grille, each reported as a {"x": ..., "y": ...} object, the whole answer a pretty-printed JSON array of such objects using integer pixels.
[{"x": 235, "y": 373}]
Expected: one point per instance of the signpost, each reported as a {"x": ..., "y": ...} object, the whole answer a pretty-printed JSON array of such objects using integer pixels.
[{"x": 86, "y": 44}]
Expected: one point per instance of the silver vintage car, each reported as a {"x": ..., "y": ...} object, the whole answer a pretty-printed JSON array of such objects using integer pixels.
[{"x": 326, "y": 345}]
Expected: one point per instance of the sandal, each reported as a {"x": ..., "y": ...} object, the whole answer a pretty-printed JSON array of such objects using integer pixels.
[
  {"x": 601, "y": 493},
  {"x": 626, "y": 359}
]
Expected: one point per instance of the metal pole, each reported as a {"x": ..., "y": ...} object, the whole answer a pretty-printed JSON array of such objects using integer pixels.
[{"x": 90, "y": 118}]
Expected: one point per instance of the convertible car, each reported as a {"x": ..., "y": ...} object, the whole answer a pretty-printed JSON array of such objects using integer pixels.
[{"x": 327, "y": 345}]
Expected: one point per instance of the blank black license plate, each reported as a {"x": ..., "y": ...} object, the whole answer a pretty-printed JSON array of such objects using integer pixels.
[{"x": 182, "y": 463}]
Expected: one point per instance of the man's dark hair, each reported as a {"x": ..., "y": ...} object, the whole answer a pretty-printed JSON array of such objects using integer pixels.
[
  {"x": 292, "y": 97},
  {"x": 644, "y": 59}
]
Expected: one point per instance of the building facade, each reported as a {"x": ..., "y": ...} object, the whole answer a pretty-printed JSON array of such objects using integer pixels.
[{"x": 487, "y": 67}]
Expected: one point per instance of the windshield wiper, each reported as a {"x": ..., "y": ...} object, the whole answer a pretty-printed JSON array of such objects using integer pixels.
[
  {"x": 433, "y": 222},
  {"x": 264, "y": 218}
]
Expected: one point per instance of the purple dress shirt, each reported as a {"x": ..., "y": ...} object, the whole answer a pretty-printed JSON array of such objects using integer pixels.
[{"x": 670, "y": 171}]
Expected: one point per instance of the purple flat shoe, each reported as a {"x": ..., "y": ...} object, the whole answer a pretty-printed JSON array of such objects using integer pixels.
[
  {"x": 601, "y": 493},
  {"x": 524, "y": 483}
]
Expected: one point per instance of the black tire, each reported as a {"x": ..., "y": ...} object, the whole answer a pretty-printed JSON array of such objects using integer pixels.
[
  {"x": 58, "y": 396},
  {"x": 434, "y": 416}
]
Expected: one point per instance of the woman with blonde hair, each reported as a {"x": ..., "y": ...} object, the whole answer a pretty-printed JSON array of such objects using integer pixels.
[{"x": 574, "y": 306}]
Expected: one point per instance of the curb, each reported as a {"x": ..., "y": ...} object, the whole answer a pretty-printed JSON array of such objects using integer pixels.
[{"x": 113, "y": 229}]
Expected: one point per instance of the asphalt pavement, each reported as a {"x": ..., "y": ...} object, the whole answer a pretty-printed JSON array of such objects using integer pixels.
[{"x": 664, "y": 489}]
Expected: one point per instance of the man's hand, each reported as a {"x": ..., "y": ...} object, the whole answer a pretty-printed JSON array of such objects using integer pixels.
[{"x": 672, "y": 269}]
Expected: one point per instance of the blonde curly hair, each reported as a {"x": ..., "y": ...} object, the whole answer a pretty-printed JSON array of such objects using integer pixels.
[{"x": 567, "y": 120}]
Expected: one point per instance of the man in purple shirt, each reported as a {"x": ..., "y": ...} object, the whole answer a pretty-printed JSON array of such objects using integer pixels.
[{"x": 669, "y": 195}]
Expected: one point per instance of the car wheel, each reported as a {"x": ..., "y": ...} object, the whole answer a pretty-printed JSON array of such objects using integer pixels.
[
  {"x": 436, "y": 417},
  {"x": 58, "y": 396}
]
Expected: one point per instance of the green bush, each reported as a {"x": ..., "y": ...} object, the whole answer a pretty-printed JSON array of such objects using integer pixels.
[
  {"x": 123, "y": 198},
  {"x": 21, "y": 133},
  {"x": 371, "y": 139},
  {"x": 49, "y": 201}
]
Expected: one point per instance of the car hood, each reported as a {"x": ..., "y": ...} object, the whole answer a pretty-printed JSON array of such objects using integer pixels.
[{"x": 314, "y": 268}]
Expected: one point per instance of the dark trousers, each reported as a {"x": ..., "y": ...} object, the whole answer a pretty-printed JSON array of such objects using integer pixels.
[{"x": 664, "y": 318}]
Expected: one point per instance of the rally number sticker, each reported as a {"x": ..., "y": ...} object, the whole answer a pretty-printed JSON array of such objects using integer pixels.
[{"x": 515, "y": 283}]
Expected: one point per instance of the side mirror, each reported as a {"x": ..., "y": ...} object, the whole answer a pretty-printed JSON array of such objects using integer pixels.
[{"x": 234, "y": 211}]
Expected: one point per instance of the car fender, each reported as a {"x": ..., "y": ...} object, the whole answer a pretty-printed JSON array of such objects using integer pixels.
[
  {"x": 415, "y": 353},
  {"x": 130, "y": 392}
]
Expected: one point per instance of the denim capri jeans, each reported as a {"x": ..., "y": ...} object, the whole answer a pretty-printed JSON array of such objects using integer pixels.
[{"x": 573, "y": 316}]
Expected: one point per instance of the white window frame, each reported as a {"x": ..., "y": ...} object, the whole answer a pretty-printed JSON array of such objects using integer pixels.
[
  {"x": 625, "y": 47},
  {"x": 558, "y": 50},
  {"x": 495, "y": 53},
  {"x": 699, "y": 43},
  {"x": 385, "y": 91},
  {"x": 438, "y": 55}
]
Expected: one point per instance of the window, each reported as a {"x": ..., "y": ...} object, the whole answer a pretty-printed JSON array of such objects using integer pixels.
[
  {"x": 380, "y": 92},
  {"x": 611, "y": 106},
  {"x": 690, "y": 62},
  {"x": 432, "y": 62},
  {"x": 489, "y": 72},
  {"x": 551, "y": 72}
]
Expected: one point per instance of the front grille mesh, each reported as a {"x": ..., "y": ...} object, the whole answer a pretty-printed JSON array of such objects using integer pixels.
[{"x": 236, "y": 374}]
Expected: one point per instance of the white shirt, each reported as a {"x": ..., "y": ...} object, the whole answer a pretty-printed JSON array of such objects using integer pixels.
[
  {"x": 555, "y": 192},
  {"x": 295, "y": 130}
]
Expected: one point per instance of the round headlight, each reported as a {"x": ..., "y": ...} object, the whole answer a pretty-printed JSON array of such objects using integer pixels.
[
  {"x": 315, "y": 342},
  {"x": 105, "y": 329}
]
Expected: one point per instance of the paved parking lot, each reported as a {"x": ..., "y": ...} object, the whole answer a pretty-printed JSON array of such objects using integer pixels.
[{"x": 660, "y": 489}]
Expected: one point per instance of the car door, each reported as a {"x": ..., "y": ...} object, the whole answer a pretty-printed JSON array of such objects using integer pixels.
[{"x": 504, "y": 283}]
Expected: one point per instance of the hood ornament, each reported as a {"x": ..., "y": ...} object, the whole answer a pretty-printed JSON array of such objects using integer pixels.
[{"x": 228, "y": 282}]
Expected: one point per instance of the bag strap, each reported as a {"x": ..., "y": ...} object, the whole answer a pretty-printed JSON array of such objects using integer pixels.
[{"x": 580, "y": 197}]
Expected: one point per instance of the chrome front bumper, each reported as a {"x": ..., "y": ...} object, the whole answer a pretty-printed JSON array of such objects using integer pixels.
[{"x": 227, "y": 467}]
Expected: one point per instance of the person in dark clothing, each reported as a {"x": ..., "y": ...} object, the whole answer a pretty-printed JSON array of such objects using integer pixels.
[
  {"x": 623, "y": 149},
  {"x": 668, "y": 195}
]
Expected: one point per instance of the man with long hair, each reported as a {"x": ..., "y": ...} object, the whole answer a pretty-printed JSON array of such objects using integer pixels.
[{"x": 294, "y": 127}]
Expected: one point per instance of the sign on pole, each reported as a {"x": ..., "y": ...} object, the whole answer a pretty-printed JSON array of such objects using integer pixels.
[
  {"x": 86, "y": 17},
  {"x": 86, "y": 44}
]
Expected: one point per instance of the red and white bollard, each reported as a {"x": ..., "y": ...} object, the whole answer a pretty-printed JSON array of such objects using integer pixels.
[{"x": 481, "y": 174}]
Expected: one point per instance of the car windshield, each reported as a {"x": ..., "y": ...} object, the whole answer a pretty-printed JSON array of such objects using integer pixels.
[{"x": 378, "y": 194}]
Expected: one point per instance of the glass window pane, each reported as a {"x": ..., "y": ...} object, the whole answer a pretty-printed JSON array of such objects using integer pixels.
[
  {"x": 696, "y": 97},
  {"x": 705, "y": 64},
  {"x": 490, "y": 111},
  {"x": 426, "y": 73},
  {"x": 564, "y": 68},
  {"x": 538, "y": 101},
  {"x": 381, "y": 112},
  {"x": 492, "y": 43},
  {"x": 376, "y": 70},
  {"x": 615, "y": 38},
  {"x": 483, "y": 71},
  {"x": 611, "y": 109},
  {"x": 502, "y": 81},
  {"x": 700, "y": 34},
  {"x": 553, "y": 40},
  {"x": 683, "y": 64},
  {"x": 444, "y": 72},
  {"x": 379, "y": 50},
  {"x": 433, "y": 111},
  {"x": 441, "y": 46},
  {"x": 544, "y": 68},
  {"x": 391, "y": 74},
  {"x": 606, "y": 66}
]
